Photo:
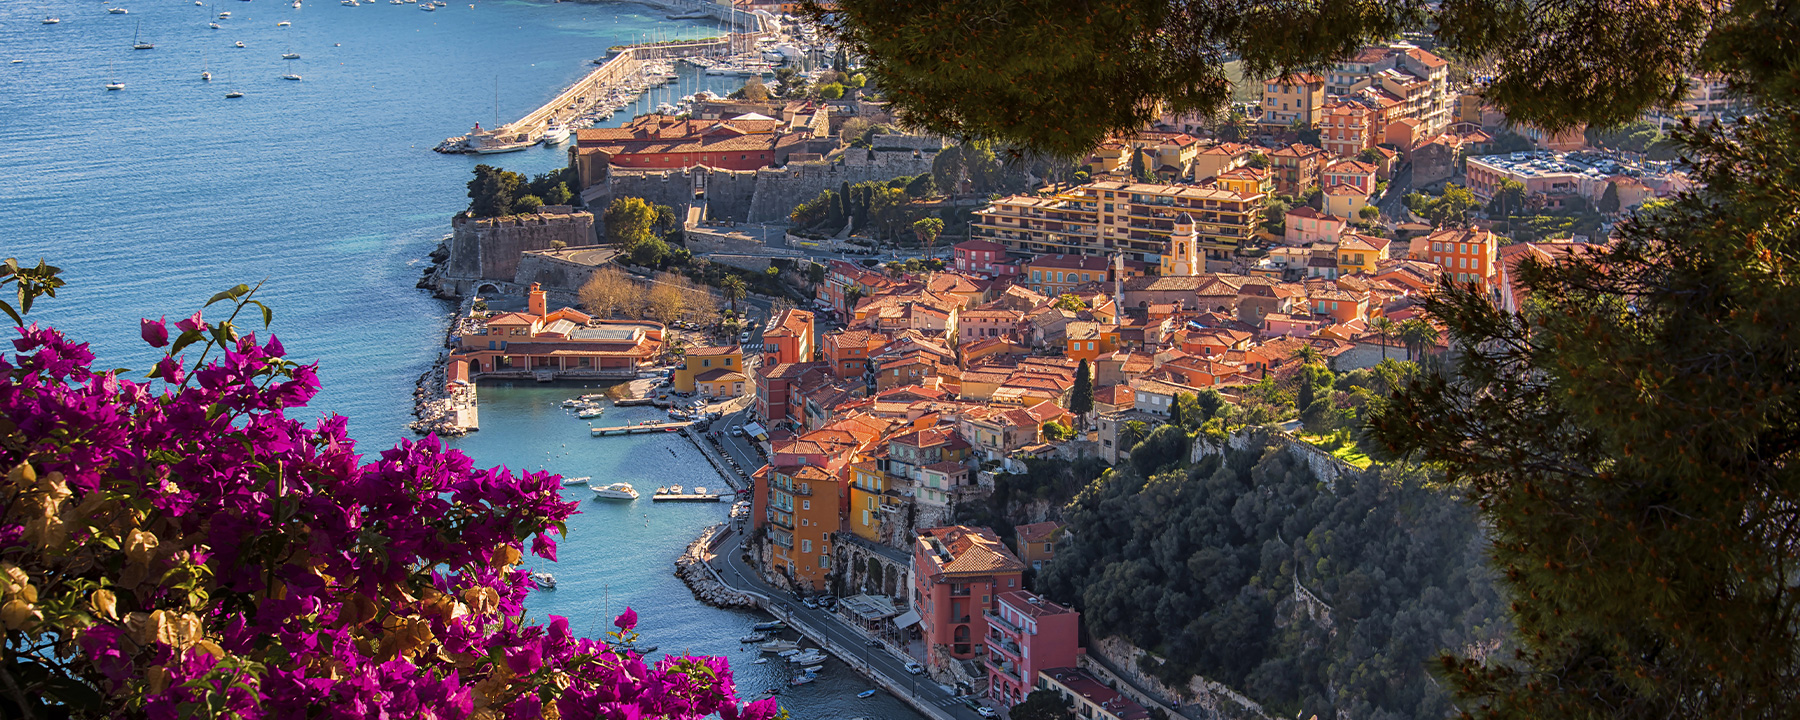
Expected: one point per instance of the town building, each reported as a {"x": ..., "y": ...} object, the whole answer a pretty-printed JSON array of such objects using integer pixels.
[
  {"x": 562, "y": 343},
  {"x": 804, "y": 512},
  {"x": 1089, "y": 698},
  {"x": 1466, "y": 254},
  {"x": 1053, "y": 275},
  {"x": 1350, "y": 126},
  {"x": 1027, "y": 634},
  {"x": 983, "y": 258},
  {"x": 959, "y": 573},
  {"x": 1296, "y": 168},
  {"x": 717, "y": 371},
  {"x": 1305, "y": 226},
  {"x": 1132, "y": 219},
  {"x": 746, "y": 142},
  {"x": 1037, "y": 542},
  {"x": 1294, "y": 98}
]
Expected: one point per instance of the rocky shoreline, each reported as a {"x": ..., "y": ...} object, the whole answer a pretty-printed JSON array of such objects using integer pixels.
[
  {"x": 441, "y": 410},
  {"x": 692, "y": 569}
]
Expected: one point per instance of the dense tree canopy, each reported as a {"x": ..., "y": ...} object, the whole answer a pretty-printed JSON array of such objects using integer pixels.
[
  {"x": 1054, "y": 76},
  {"x": 1214, "y": 568}
]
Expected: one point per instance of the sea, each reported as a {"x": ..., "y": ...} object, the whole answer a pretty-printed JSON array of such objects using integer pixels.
[{"x": 325, "y": 193}]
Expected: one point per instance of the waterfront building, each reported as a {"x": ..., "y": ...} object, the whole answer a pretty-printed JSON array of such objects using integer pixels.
[
  {"x": 789, "y": 339},
  {"x": 563, "y": 343},
  {"x": 958, "y": 574},
  {"x": 874, "y": 498},
  {"x": 1027, "y": 634},
  {"x": 804, "y": 512},
  {"x": 1090, "y": 698},
  {"x": 716, "y": 371},
  {"x": 1132, "y": 219}
]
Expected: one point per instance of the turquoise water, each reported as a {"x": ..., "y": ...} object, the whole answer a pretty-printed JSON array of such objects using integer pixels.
[{"x": 155, "y": 197}]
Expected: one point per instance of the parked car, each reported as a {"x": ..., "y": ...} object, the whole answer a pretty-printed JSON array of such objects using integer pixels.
[
  {"x": 915, "y": 668},
  {"x": 737, "y": 432},
  {"x": 872, "y": 642},
  {"x": 811, "y": 604},
  {"x": 744, "y": 336},
  {"x": 986, "y": 711}
]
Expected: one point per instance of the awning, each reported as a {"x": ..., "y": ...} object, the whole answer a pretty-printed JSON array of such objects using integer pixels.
[
  {"x": 755, "y": 429},
  {"x": 910, "y": 619}
]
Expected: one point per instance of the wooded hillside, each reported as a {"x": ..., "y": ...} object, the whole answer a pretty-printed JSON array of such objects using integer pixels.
[{"x": 1198, "y": 566}]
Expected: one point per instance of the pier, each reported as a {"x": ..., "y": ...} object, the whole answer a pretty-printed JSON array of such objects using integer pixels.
[
  {"x": 623, "y": 73},
  {"x": 639, "y": 429},
  {"x": 689, "y": 497}
]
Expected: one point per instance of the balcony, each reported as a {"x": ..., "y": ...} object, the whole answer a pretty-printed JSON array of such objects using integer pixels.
[
  {"x": 999, "y": 623},
  {"x": 1008, "y": 669}
]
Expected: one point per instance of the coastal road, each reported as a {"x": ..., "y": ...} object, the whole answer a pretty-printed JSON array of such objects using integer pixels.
[
  {"x": 1393, "y": 203},
  {"x": 737, "y": 573}
]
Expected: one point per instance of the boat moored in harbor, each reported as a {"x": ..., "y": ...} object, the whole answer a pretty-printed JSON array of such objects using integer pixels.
[{"x": 616, "y": 491}]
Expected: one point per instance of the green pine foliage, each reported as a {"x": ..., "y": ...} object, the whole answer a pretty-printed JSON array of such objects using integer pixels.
[{"x": 1198, "y": 564}]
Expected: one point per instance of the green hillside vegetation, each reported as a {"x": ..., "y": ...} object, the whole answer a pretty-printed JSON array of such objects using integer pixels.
[{"x": 1198, "y": 565}]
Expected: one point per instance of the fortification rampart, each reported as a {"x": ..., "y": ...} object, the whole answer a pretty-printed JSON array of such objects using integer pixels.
[{"x": 489, "y": 248}]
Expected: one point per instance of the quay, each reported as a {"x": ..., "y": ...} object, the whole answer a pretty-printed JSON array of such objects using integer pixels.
[
  {"x": 639, "y": 429},
  {"x": 690, "y": 497},
  {"x": 622, "y": 74}
]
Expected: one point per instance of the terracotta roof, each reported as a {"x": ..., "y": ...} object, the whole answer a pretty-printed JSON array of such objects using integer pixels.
[
  {"x": 973, "y": 551},
  {"x": 713, "y": 350},
  {"x": 1035, "y": 533},
  {"x": 718, "y": 374}
]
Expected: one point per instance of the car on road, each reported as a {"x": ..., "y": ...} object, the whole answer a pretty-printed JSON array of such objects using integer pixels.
[
  {"x": 811, "y": 604},
  {"x": 744, "y": 336},
  {"x": 986, "y": 711},
  {"x": 737, "y": 431},
  {"x": 872, "y": 642},
  {"x": 915, "y": 668}
]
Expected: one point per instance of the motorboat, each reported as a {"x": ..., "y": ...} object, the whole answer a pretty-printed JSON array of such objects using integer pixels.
[
  {"x": 290, "y": 56},
  {"x": 699, "y": 489},
  {"x": 214, "y": 26},
  {"x": 809, "y": 656},
  {"x": 283, "y": 23},
  {"x": 206, "y": 76},
  {"x": 759, "y": 661},
  {"x": 753, "y": 638},
  {"x": 590, "y": 413},
  {"x": 118, "y": 11},
  {"x": 616, "y": 491},
  {"x": 770, "y": 626},
  {"x": 787, "y": 653},
  {"x": 802, "y": 679},
  {"x": 555, "y": 134},
  {"x": 234, "y": 94},
  {"x": 866, "y": 693},
  {"x": 52, "y": 21},
  {"x": 814, "y": 669},
  {"x": 225, "y": 15},
  {"x": 349, "y": 3},
  {"x": 428, "y": 8},
  {"x": 290, "y": 76},
  {"x": 239, "y": 43},
  {"x": 776, "y": 646},
  {"x": 115, "y": 86},
  {"x": 577, "y": 480},
  {"x": 544, "y": 580}
]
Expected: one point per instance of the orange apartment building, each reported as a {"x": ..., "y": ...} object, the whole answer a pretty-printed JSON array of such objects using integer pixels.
[
  {"x": 848, "y": 352},
  {"x": 1293, "y": 98},
  {"x": 959, "y": 573},
  {"x": 1349, "y": 127},
  {"x": 1296, "y": 168},
  {"x": 805, "y": 509},
  {"x": 1466, "y": 254}
]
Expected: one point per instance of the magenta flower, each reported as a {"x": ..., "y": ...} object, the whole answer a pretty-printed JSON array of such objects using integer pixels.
[
  {"x": 154, "y": 332},
  {"x": 192, "y": 324},
  {"x": 626, "y": 620}
]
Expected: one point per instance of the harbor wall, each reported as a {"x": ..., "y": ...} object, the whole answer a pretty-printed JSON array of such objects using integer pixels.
[
  {"x": 490, "y": 248},
  {"x": 770, "y": 194}
]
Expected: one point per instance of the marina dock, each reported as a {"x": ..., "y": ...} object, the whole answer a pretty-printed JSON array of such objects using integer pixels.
[
  {"x": 639, "y": 429},
  {"x": 710, "y": 497}
]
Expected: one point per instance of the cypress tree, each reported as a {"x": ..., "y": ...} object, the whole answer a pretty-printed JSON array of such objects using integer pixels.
[{"x": 1081, "y": 398}]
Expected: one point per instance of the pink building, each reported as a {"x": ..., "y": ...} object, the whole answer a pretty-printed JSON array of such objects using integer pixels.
[
  {"x": 983, "y": 258},
  {"x": 959, "y": 573},
  {"x": 1027, "y": 634}
]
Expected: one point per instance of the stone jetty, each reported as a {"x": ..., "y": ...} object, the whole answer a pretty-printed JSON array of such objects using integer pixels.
[{"x": 691, "y": 567}]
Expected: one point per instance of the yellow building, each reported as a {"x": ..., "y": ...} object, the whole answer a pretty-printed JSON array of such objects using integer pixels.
[
  {"x": 1246, "y": 181},
  {"x": 869, "y": 499},
  {"x": 1359, "y": 253},
  {"x": 1299, "y": 97},
  {"x": 1134, "y": 219},
  {"x": 716, "y": 371}
]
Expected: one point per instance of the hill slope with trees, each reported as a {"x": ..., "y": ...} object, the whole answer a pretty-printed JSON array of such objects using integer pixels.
[{"x": 1198, "y": 565}]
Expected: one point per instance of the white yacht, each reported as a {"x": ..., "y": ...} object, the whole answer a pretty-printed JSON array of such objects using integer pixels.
[
  {"x": 290, "y": 76},
  {"x": 214, "y": 26},
  {"x": 556, "y": 134},
  {"x": 225, "y": 15},
  {"x": 118, "y": 11},
  {"x": 616, "y": 491},
  {"x": 52, "y": 21},
  {"x": 115, "y": 86},
  {"x": 283, "y": 23},
  {"x": 577, "y": 480},
  {"x": 233, "y": 94},
  {"x": 239, "y": 43},
  {"x": 544, "y": 580},
  {"x": 290, "y": 55}
]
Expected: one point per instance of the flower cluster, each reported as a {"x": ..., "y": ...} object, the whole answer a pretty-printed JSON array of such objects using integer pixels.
[{"x": 188, "y": 549}]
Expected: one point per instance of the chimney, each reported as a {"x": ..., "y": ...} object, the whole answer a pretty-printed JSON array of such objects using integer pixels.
[{"x": 539, "y": 306}]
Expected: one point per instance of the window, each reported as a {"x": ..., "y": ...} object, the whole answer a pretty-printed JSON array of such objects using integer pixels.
[
  {"x": 706, "y": 363},
  {"x": 805, "y": 504},
  {"x": 805, "y": 546}
]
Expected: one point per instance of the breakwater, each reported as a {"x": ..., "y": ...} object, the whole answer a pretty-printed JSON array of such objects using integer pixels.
[{"x": 693, "y": 570}]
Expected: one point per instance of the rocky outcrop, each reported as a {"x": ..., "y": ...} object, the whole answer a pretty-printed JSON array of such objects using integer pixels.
[{"x": 691, "y": 567}]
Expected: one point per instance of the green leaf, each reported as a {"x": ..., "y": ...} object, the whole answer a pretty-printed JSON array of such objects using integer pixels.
[
  {"x": 232, "y": 294},
  {"x": 187, "y": 338}
]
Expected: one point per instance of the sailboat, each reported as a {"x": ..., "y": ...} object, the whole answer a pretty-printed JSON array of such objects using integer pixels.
[
  {"x": 115, "y": 84},
  {"x": 137, "y": 43},
  {"x": 495, "y": 141},
  {"x": 205, "y": 71},
  {"x": 52, "y": 20},
  {"x": 290, "y": 55}
]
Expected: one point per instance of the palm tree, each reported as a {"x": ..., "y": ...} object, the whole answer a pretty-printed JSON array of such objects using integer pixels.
[
  {"x": 1385, "y": 328},
  {"x": 1307, "y": 354},
  {"x": 734, "y": 290},
  {"x": 1418, "y": 334}
]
